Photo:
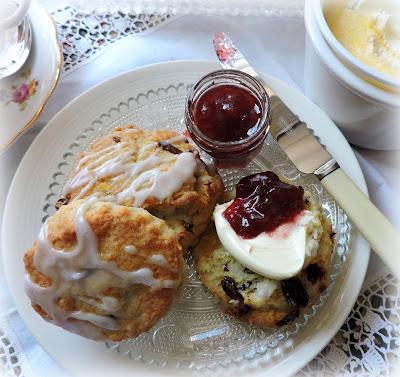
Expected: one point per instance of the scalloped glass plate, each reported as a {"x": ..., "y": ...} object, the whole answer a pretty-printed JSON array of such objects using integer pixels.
[{"x": 195, "y": 333}]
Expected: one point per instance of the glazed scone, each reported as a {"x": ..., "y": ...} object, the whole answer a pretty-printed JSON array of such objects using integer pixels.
[
  {"x": 156, "y": 170},
  {"x": 254, "y": 298},
  {"x": 102, "y": 270}
]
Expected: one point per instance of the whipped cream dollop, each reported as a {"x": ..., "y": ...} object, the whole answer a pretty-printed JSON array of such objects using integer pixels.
[
  {"x": 370, "y": 30},
  {"x": 279, "y": 254}
]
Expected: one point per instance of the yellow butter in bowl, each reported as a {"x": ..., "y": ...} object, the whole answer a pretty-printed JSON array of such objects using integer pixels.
[{"x": 369, "y": 30}]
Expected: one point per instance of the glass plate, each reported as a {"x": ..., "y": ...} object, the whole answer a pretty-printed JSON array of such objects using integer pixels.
[{"x": 195, "y": 334}]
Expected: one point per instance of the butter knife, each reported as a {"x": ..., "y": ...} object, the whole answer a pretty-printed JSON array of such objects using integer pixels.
[{"x": 310, "y": 156}]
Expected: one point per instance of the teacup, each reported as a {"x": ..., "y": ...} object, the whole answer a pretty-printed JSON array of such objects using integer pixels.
[{"x": 15, "y": 35}]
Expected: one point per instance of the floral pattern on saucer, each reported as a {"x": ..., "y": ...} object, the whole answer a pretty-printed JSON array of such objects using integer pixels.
[{"x": 21, "y": 91}]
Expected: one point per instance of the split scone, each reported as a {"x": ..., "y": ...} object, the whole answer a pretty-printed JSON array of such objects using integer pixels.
[
  {"x": 283, "y": 269},
  {"x": 156, "y": 170},
  {"x": 103, "y": 271}
]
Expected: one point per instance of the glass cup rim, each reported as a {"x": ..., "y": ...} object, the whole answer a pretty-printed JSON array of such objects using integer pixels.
[
  {"x": 15, "y": 19},
  {"x": 238, "y": 143}
]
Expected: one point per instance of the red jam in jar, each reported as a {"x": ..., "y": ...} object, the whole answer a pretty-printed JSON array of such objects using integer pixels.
[
  {"x": 262, "y": 204},
  {"x": 227, "y": 116},
  {"x": 227, "y": 113}
]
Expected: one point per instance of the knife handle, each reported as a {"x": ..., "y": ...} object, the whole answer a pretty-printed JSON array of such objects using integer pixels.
[{"x": 372, "y": 224}]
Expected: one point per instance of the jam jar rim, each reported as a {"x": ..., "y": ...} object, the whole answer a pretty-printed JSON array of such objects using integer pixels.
[{"x": 265, "y": 120}]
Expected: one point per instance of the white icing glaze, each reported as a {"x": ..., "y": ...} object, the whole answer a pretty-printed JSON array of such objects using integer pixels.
[
  {"x": 157, "y": 259},
  {"x": 176, "y": 139},
  {"x": 137, "y": 179},
  {"x": 104, "y": 152},
  {"x": 98, "y": 320},
  {"x": 71, "y": 272},
  {"x": 128, "y": 130},
  {"x": 161, "y": 261},
  {"x": 102, "y": 166},
  {"x": 130, "y": 249},
  {"x": 162, "y": 184},
  {"x": 106, "y": 303}
]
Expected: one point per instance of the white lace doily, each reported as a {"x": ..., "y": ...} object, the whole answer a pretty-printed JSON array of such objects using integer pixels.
[
  {"x": 10, "y": 365},
  {"x": 368, "y": 342},
  {"x": 220, "y": 7},
  {"x": 82, "y": 35}
]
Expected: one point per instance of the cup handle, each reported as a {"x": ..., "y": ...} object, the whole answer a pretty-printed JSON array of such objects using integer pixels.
[{"x": 16, "y": 18}]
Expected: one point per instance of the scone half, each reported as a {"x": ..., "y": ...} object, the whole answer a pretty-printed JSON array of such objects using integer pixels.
[
  {"x": 156, "y": 170},
  {"x": 254, "y": 298},
  {"x": 103, "y": 271}
]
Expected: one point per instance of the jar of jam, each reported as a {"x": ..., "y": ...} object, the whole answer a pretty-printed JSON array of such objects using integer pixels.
[{"x": 228, "y": 116}]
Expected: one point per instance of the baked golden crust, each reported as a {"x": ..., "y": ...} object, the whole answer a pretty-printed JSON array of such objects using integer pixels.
[
  {"x": 188, "y": 210},
  {"x": 138, "y": 143},
  {"x": 88, "y": 289},
  {"x": 214, "y": 265},
  {"x": 140, "y": 305}
]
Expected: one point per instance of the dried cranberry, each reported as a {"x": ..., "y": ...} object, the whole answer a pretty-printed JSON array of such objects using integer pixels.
[
  {"x": 244, "y": 309},
  {"x": 294, "y": 292},
  {"x": 230, "y": 288},
  {"x": 169, "y": 147},
  {"x": 61, "y": 202},
  {"x": 188, "y": 226},
  {"x": 314, "y": 273},
  {"x": 289, "y": 318}
]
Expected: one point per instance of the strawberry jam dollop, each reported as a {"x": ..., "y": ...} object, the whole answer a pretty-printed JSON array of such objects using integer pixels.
[{"x": 262, "y": 204}]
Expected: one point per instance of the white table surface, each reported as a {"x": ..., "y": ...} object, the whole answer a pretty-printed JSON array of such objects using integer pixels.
[{"x": 275, "y": 45}]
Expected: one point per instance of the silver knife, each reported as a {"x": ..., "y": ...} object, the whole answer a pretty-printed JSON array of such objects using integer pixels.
[{"x": 310, "y": 156}]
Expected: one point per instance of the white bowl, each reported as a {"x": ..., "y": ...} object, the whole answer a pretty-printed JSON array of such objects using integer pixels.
[{"x": 368, "y": 115}]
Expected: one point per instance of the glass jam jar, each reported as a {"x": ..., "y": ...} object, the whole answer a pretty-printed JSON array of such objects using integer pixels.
[{"x": 228, "y": 116}]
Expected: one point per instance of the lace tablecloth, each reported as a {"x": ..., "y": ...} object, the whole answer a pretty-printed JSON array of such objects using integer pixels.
[{"x": 368, "y": 342}]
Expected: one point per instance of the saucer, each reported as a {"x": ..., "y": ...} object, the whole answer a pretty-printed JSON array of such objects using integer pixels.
[{"x": 24, "y": 94}]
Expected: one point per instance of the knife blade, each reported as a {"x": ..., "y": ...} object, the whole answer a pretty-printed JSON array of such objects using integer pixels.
[
  {"x": 307, "y": 153},
  {"x": 292, "y": 135}
]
